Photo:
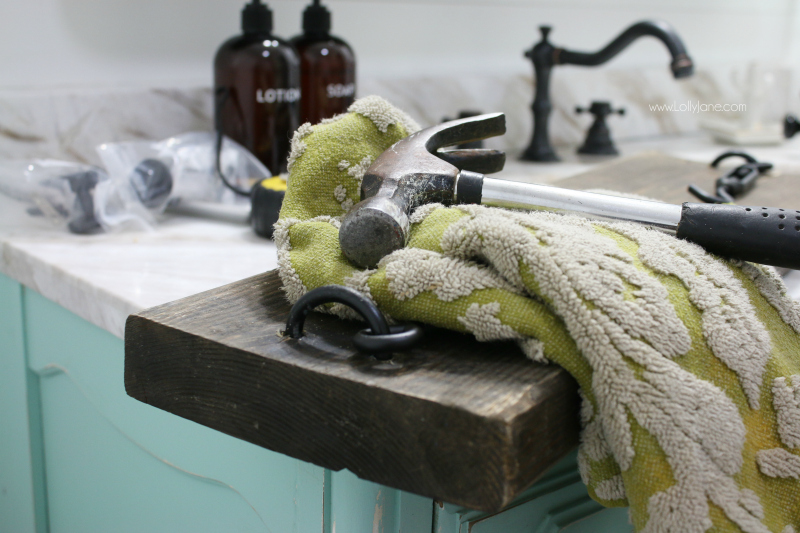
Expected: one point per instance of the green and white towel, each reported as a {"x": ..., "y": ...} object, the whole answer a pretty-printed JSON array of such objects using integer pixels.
[{"x": 689, "y": 365}]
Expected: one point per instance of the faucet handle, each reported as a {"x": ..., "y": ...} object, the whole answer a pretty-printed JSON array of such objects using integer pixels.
[
  {"x": 545, "y": 31},
  {"x": 600, "y": 109},
  {"x": 598, "y": 138}
]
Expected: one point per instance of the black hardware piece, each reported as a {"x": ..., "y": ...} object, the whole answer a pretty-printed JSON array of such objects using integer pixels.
[
  {"x": 791, "y": 125},
  {"x": 83, "y": 220},
  {"x": 379, "y": 339},
  {"x": 399, "y": 338},
  {"x": 152, "y": 181},
  {"x": 733, "y": 183},
  {"x": 598, "y": 138}
]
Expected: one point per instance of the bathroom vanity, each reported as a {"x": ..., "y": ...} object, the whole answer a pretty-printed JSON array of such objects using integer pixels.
[{"x": 79, "y": 454}]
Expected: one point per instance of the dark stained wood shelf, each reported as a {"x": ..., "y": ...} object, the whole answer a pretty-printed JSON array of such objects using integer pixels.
[{"x": 470, "y": 423}]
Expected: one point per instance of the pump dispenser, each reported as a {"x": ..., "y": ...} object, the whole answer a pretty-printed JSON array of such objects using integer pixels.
[
  {"x": 327, "y": 67},
  {"x": 257, "y": 88}
]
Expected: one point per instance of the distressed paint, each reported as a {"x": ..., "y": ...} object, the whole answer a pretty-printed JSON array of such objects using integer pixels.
[
  {"x": 362, "y": 506},
  {"x": 445, "y": 519},
  {"x": 377, "y": 517}
]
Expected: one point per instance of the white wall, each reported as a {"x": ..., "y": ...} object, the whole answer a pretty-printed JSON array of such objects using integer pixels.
[
  {"x": 53, "y": 43},
  {"x": 75, "y": 73}
]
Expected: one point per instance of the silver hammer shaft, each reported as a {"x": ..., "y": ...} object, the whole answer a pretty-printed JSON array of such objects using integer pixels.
[{"x": 515, "y": 195}]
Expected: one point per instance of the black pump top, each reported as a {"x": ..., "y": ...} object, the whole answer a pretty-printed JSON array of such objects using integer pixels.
[
  {"x": 256, "y": 18},
  {"x": 316, "y": 19}
]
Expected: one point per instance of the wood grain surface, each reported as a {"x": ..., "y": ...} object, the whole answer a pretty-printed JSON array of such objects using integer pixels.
[{"x": 453, "y": 419}]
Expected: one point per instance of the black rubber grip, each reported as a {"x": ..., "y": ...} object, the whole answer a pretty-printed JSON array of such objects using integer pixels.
[
  {"x": 766, "y": 235},
  {"x": 469, "y": 188}
]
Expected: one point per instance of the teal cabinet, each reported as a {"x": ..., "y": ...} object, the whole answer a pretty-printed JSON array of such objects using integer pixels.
[
  {"x": 77, "y": 455},
  {"x": 19, "y": 477},
  {"x": 558, "y": 502}
]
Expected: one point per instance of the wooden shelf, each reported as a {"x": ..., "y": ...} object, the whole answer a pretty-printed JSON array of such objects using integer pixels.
[{"x": 469, "y": 423}]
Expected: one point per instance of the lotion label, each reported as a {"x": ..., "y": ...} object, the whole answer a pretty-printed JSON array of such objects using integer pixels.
[{"x": 271, "y": 96}]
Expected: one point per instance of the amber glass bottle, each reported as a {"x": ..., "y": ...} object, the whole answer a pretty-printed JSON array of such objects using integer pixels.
[
  {"x": 327, "y": 67},
  {"x": 257, "y": 88}
]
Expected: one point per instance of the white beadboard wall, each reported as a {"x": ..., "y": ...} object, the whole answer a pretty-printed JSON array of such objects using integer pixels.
[{"x": 142, "y": 43}]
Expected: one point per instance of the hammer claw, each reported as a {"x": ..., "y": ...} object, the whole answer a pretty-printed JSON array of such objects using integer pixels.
[
  {"x": 465, "y": 130},
  {"x": 481, "y": 160}
]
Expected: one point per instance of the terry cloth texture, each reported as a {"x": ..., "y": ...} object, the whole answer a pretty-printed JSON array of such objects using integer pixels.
[{"x": 689, "y": 365}]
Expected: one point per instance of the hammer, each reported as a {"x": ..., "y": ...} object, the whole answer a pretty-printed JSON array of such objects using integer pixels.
[{"x": 414, "y": 171}]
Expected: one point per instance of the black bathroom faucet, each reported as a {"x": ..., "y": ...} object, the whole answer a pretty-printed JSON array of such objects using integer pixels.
[{"x": 545, "y": 56}]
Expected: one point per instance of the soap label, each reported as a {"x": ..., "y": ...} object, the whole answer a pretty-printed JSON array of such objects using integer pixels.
[
  {"x": 270, "y": 96},
  {"x": 341, "y": 90}
]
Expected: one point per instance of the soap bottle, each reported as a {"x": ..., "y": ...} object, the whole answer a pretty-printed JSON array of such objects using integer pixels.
[
  {"x": 257, "y": 89},
  {"x": 327, "y": 67}
]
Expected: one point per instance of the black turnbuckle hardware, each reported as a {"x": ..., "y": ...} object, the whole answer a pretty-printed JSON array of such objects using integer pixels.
[
  {"x": 379, "y": 340},
  {"x": 733, "y": 183}
]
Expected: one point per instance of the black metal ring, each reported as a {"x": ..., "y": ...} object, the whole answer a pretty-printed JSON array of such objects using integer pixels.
[
  {"x": 400, "y": 338},
  {"x": 380, "y": 344},
  {"x": 339, "y": 294},
  {"x": 702, "y": 195},
  {"x": 733, "y": 153}
]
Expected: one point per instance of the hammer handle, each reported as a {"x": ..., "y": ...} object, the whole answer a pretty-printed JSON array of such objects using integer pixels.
[
  {"x": 765, "y": 235},
  {"x": 518, "y": 195}
]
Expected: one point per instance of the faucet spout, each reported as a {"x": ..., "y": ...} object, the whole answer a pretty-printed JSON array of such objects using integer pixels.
[
  {"x": 545, "y": 56},
  {"x": 681, "y": 65}
]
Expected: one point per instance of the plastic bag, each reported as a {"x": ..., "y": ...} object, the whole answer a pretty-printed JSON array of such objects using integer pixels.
[
  {"x": 191, "y": 160},
  {"x": 140, "y": 181},
  {"x": 61, "y": 191}
]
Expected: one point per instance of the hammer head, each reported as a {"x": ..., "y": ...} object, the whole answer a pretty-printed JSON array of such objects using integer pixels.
[{"x": 413, "y": 172}]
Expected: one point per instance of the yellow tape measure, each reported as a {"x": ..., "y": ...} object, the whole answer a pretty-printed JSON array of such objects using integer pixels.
[{"x": 275, "y": 183}]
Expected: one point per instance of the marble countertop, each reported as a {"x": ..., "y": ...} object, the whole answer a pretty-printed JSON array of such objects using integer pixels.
[
  {"x": 697, "y": 147},
  {"x": 104, "y": 278}
]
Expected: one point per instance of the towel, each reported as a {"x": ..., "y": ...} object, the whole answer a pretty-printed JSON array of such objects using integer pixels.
[{"x": 688, "y": 364}]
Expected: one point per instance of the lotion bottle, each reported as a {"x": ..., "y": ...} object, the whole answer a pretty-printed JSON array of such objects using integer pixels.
[
  {"x": 327, "y": 67},
  {"x": 257, "y": 88}
]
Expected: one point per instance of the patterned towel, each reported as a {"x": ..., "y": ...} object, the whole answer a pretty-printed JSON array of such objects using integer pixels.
[{"x": 689, "y": 365}]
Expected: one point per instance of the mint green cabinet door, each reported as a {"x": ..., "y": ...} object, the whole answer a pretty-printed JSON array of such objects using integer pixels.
[
  {"x": 17, "y": 473},
  {"x": 116, "y": 465}
]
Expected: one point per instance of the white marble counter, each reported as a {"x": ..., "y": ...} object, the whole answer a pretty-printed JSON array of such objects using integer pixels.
[
  {"x": 693, "y": 147},
  {"x": 104, "y": 278}
]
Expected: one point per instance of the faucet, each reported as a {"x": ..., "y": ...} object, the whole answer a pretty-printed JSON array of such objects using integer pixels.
[{"x": 545, "y": 56}]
